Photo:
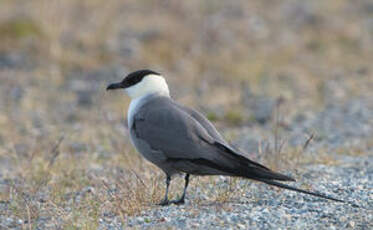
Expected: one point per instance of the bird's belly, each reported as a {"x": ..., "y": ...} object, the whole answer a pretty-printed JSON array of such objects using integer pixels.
[{"x": 154, "y": 156}]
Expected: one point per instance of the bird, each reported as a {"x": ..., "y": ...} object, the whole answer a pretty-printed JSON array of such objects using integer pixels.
[{"x": 181, "y": 140}]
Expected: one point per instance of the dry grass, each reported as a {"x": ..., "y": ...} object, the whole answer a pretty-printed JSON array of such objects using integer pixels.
[{"x": 72, "y": 161}]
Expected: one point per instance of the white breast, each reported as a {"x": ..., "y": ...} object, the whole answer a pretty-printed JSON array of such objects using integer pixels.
[
  {"x": 150, "y": 85},
  {"x": 134, "y": 105}
]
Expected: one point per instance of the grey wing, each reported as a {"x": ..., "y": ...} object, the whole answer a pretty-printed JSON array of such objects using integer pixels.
[
  {"x": 187, "y": 145},
  {"x": 184, "y": 144},
  {"x": 210, "y": 128},
  {"x": 167, "y": 128}
]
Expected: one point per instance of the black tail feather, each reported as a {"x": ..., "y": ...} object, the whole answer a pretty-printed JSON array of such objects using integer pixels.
[
  {"x": 247, "y": 168},
  {"x": 268, "y": 175},
  {"x": 253, "y": 170},
  {"x": 278, "y": 184}
]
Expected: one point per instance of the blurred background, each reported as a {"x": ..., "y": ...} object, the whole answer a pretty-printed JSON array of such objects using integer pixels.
[{"x": 271, "y": 75}]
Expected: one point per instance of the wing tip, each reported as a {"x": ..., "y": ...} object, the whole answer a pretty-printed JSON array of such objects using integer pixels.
[
  {"x": 284, "y": 178},
  {"x": 291, "y": 179}
]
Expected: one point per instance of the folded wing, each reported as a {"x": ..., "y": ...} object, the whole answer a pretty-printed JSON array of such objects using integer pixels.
[{"x": 192, "y": 144}]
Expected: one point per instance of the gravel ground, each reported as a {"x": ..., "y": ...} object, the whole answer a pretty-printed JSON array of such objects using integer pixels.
[
  {"x": 262, "y": 207},
  {"x": 258, "y": 206}
]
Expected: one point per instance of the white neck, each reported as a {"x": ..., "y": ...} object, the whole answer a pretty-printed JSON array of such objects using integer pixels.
[
  {"x": 148, "y": 85},
  {"x": 151, "y": 84}
]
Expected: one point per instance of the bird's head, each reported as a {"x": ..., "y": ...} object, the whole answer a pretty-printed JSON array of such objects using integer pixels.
[{"x": 142, "y": 82}]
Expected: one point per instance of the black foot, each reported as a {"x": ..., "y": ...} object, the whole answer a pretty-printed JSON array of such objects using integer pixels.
[
  {"x": 164, "y": 202},
  {"x": 168, "y": 202},
  {"x": 178, "y": 202}
]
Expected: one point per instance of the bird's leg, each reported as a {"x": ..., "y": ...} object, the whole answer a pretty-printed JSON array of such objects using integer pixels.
[
  {"x": 182, "y": 198},
  {"x": 165, "y": 200}
]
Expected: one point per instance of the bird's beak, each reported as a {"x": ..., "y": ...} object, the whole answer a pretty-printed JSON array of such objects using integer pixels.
[{"x": 118, "y": 85}]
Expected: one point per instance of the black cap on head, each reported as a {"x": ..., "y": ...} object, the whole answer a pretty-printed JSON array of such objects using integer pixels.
[
  {"x": 135, "y": 77},
  {"x": 131, "y": 79}
]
